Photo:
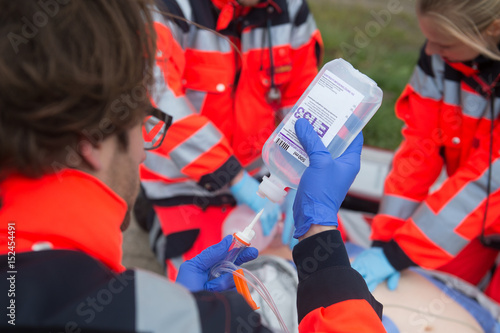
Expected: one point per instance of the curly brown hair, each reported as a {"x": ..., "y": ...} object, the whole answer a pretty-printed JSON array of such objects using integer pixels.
[{"x": 70, "y": 70}]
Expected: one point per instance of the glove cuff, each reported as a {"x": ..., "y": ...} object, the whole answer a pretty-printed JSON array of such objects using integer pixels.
[
  {"x": 237, "y": 188},
  {"x": 311, "y": 212}
]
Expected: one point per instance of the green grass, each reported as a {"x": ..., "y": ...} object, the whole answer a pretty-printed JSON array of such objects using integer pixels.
[{"x": 387, "y": 54}]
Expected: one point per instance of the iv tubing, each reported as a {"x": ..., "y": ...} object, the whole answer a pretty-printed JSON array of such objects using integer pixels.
[{"x": 229, "y": 267}]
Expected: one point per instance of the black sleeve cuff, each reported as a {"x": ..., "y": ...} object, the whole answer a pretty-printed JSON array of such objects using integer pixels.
[
  {"x": 227, "y": 312},
  {"x": 222, "y": 176},
  {"x": 396, "y": 256},
  {"x": 326, "y": 276},
  {"x": 377, "y": 243}
]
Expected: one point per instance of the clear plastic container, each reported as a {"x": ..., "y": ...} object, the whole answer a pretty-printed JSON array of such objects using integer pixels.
[{"x": 339, "y": 102}]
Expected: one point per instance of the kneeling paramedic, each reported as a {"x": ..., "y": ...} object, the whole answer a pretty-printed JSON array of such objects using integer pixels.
[{"x": 72, "y": 110}]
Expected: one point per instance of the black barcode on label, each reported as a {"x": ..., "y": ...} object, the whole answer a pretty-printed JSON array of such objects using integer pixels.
[{"x": 282, "y": 144}]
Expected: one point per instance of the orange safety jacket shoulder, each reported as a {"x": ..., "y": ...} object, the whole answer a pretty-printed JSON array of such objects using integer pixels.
[
  {"x": 448, "y": 110},
  {"x": 80, "y": 283},
  {"x": 61, "y": 259},
  {"x": 69, "y": 210},
  {"x": 218, "y": 93}
]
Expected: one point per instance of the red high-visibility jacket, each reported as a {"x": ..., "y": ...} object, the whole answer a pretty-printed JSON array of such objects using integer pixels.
[
  {"x": 218, "y": 93},
  {"x": 447, "y": 109},
  {"x": 62, "y": 255}
]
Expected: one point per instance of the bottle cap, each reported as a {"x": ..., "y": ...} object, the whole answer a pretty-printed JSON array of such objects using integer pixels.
[{"x": 269, "y": 189}]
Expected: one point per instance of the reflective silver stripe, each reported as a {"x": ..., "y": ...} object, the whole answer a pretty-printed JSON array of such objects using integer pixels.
[
  {"x": 161, "y": 190},
  {"x": 426, "y": 85},
  {"x": 280, "y": 34},
  {"x": 161, "y": 304},
  {"x": 170, "y": 24},
  {"x": 196, "y": 98},
  {"x": 474, "y": 105},
  {"x": 186, "y": 8},
  {"x": 440, "y": 227},
  {"x": 302, "y": 34},
  {"x": 177, "y": 107},
  {"x": 166, "y": 101},
  {"x": 293, "y": 8},
  {"x": 205, "y": 40},
  {"x": 438, "y": 66},
  {"x": 497, "y": 108},
  {"x": 258, "y": 38},
  {"x": 451, "y": 94},
  {"x": 398, "y": 207},
  {"x": 199, "y": 143},
  {"x": 162, "y": 165}
]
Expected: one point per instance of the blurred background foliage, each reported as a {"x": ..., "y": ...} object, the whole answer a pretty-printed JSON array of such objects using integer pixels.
[{"x": 381, "y": 39}]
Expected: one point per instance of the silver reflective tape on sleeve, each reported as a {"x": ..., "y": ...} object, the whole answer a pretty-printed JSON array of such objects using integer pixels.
[
  {"x": 293, "y": 8},
  {"x": 205, "y": 40},
  {"x": 258, "y": 38},
  {"x": 166, "y": 101},
  {"x": 425, "y": 85},
  {"x": 199, "y": 143},
  {"x": 302, "y": 34},
  {"x": 398, "y": 207},
  {"x": 162, "y": 306},
  {"x": 476, "y": 106},
  {"x": 440, "y": 227},
  {"x": 196, "y": 98},
  {"x": 451, "y": 92},
  {"x": 186, "y": 8},
  {"x": 440, "y": 230},
  {"x": 162, "y": 166},
  {"x": 161, "y": 190},
  {"x": 473, "y": 105}
]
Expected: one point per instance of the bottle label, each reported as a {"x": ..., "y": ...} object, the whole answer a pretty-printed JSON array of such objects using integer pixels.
[{"x": 329, "y": 104}]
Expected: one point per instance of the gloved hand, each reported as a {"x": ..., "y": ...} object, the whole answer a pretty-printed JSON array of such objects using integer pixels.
[
  {"x": 289, "y": 225},
  {"x": 245, "y": 192},
  {"x": 325, "y": 182},
  {"x": 194, "y": 273},
  {"x": 373, "y": 265}
]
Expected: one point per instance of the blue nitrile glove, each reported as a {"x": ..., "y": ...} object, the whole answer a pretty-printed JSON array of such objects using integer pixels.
[
  {"x": 325, "y": 182},
  {"x": 373, "y": 265},
  {"x": 194, "y": 273},
  {"x": 245, "y": 192},
  {"x": 289, "y": 225}
]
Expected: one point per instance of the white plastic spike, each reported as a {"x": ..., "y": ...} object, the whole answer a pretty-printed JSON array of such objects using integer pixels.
[{"x": 248, "y": 234}]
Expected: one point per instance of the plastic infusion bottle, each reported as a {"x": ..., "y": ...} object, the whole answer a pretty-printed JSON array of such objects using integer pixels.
[
  {"x": 241, "y": 240},
  {"x": 338, "y": 103}
]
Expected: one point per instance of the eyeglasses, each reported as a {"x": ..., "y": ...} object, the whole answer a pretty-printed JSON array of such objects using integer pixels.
[{"x": 155, "y": 128}]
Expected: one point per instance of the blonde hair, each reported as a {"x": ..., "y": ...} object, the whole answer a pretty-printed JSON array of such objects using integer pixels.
[{"x": 466, "y": 20}]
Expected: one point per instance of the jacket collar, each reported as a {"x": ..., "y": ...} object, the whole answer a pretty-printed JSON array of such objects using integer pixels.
[
  {"x": 67, "y": 210},
  {"x": 231, "y": 9},
  {"x": 473, "y": 67}
]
